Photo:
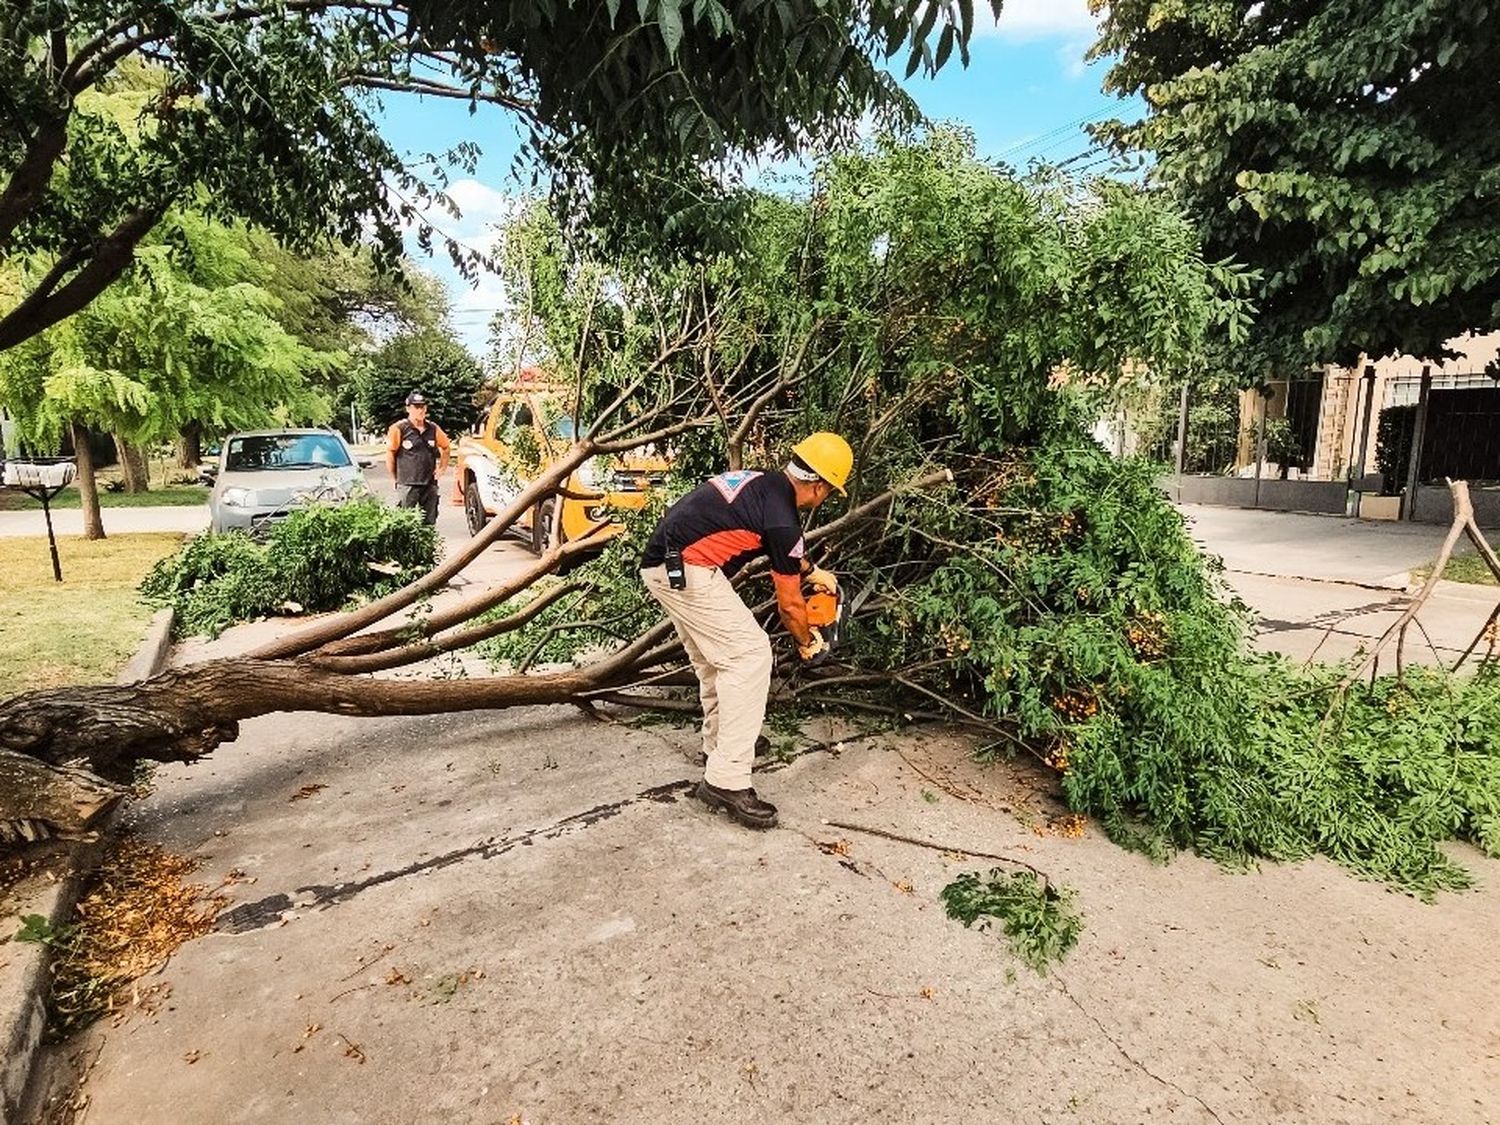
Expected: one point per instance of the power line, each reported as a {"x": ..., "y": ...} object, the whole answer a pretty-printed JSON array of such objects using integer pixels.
[{"x": 1101, "y": 111}]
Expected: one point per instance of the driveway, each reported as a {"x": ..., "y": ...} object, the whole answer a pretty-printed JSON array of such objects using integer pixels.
[{"x": 1293, "y": 545}]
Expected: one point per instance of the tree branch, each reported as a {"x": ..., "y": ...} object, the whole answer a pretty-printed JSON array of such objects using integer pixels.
[
  {"x": 463, "y": 638},
  {"x": 28, "y": 183},
  {"x": 111, "y": 257}
]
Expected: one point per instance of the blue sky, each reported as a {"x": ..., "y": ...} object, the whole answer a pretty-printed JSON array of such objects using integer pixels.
[{"x": 1026, "y": 94}]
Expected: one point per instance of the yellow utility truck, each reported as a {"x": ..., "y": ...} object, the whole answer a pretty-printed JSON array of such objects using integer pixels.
[{"x": 528, "y": 428}]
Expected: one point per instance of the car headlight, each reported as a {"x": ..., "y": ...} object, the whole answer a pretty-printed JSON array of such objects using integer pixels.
[{"x": 238, "y": 498}]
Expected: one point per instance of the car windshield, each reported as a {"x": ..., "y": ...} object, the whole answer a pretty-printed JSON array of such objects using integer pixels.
[
  {"x": 285, "y": 451},
  {"x": 562, "y": 428}
]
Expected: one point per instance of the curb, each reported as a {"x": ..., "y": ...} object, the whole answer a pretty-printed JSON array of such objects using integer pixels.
[
  {"x": 151, "y": 657},
  {"x": 25, "y": 966}
]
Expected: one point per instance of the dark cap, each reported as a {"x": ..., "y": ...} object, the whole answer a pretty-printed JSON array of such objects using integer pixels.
[{"x": 415, "y": 399}]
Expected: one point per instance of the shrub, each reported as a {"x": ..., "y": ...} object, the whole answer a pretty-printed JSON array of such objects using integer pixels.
[{"x": 318, "y": 559}]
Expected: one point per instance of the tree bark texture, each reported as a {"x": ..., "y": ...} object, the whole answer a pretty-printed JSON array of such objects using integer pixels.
[
  {"x": 38, "y": 800},
  {"x": 185, "y": 713},
  {"x": 133, "y": 468},
  {"x": 56, "y": 300},
  {"x": 190, "y": 446},
  {"x": 88, "y": 484}
]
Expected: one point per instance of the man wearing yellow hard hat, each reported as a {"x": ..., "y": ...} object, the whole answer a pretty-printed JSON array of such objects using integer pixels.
[{"x": 699, "y": 545}]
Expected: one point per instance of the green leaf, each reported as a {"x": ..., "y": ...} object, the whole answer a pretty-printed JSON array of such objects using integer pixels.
[{"x": 945, "y": 47}]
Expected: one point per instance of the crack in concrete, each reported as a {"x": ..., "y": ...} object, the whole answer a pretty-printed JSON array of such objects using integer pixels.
[{"x": 269, "y": 911}]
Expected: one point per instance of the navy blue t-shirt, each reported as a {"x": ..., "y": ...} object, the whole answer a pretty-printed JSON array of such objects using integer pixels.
[{"x": 729, "y": 520}]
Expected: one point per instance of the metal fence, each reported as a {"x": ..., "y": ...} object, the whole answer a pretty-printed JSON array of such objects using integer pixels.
[
  {"x": 1459, "y": 420},
  {"x": 1327, "y": 443}
]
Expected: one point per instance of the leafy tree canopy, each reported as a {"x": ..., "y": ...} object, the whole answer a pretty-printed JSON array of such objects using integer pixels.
[
  {"x": 168, "y": 346},
  {"x": 1348, "y": 150},
  {"x": 429, "y": 360},
  {"x": 262, "y": 111}
]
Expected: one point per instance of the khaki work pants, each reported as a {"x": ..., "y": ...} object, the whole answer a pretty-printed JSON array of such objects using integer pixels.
[{"x": 731, "y": 655}]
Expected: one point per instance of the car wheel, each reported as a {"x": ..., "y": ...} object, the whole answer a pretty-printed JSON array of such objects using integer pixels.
[
  {"x": 474, "y": 512},
  {"x": 541, "y": 526}
]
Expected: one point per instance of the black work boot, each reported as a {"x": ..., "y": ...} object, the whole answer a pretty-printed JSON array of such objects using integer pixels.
[{"x": 742, "y": 804}]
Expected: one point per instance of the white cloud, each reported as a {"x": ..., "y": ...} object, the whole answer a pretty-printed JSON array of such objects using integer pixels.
[
  {"x": 483, "y": 209},
  {"x": 1038, "y": 19}
]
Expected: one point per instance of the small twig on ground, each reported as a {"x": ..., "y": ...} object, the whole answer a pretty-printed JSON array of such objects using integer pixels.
[
  {"x": 356, "y": 988},
  {"x": 365, "y": 963},
  {"x": 951, "y": 787},
  {"x": 952, "y": 849}
]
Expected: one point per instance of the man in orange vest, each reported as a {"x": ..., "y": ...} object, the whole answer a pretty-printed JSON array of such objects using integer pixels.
[
  {"x": 416, "y": 455},
  {"x": 701, "y": 542}
]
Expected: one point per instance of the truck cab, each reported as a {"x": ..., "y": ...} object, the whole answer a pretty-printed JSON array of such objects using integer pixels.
[{"x": 525, "y": 431}]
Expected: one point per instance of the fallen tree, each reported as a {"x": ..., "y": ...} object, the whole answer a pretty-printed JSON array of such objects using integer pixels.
[{"x": 1008, "y": 574}]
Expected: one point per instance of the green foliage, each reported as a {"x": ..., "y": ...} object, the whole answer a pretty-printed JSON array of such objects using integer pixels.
[
  {"x": 1213, "y": 429},
  {"x": 317, "y": 559},
  {"x": 1393, "y": 440},
  {"x": 1038, "y": 920},
  {"x": 429, "y": 360},
  {"x": 1051, "y": 591},
  {"x": 1347, "y": 150},
  {"x": 611, "y": 601},
  {"x": 36, "y": 929},
  {"x": 189, "y": 337},
  {"x": 268, "y": 114}
]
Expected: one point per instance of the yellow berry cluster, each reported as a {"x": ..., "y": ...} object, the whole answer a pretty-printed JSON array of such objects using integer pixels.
[
  {"x": 1076, "y": 706},
  {"x": 1147, "y": 635}
]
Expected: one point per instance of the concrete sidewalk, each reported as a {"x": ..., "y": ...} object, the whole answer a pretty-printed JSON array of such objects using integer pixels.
[
  {"x": 1292, "y": 545},
  {"x": 117, "y": 521},
  {"x": 1330, "y": 586},
  {"x": 492, "y": 918}
]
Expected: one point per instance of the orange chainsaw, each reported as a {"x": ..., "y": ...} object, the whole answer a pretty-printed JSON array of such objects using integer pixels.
[{"x": 829, "y": 615}]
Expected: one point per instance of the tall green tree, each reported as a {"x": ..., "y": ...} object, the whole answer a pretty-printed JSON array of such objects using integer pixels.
[
  {"x": 263, "y": 111},
  {"x": 428, "y": 360},
  {"x": 164, "y": 349},
  {"x": 1348, "y": 150}
]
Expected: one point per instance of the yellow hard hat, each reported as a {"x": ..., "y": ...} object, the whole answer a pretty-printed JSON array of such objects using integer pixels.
[{"x": 828, "y": 455}]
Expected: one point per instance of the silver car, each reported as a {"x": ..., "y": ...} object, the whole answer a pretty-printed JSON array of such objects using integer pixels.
[{"x": 262, "y": 476}]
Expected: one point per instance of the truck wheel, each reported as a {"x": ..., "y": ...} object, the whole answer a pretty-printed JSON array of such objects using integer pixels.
[
  {"x": 474, "y": 512},
  {"x": 541, "y": 526}
]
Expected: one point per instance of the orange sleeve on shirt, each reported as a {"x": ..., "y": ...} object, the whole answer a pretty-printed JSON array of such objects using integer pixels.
[
  {"x": 393, "y": 437},
  {"x": 442, "y": 438}
]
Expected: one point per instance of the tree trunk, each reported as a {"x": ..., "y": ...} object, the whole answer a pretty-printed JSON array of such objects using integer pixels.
[
  {"x": 190, "y": 445},
  {"x": 185, "y": 713},
  {"x": 39, "y": 800},
  {"x": 88, "y": 485},
  {"x": 132, "y": 466}
]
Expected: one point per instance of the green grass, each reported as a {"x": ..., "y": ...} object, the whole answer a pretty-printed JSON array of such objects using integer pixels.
[
  {"x": 84, "y": 629},
  {"x": 1462, "y": 568},
  {"x": 174, "y": 496}
]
